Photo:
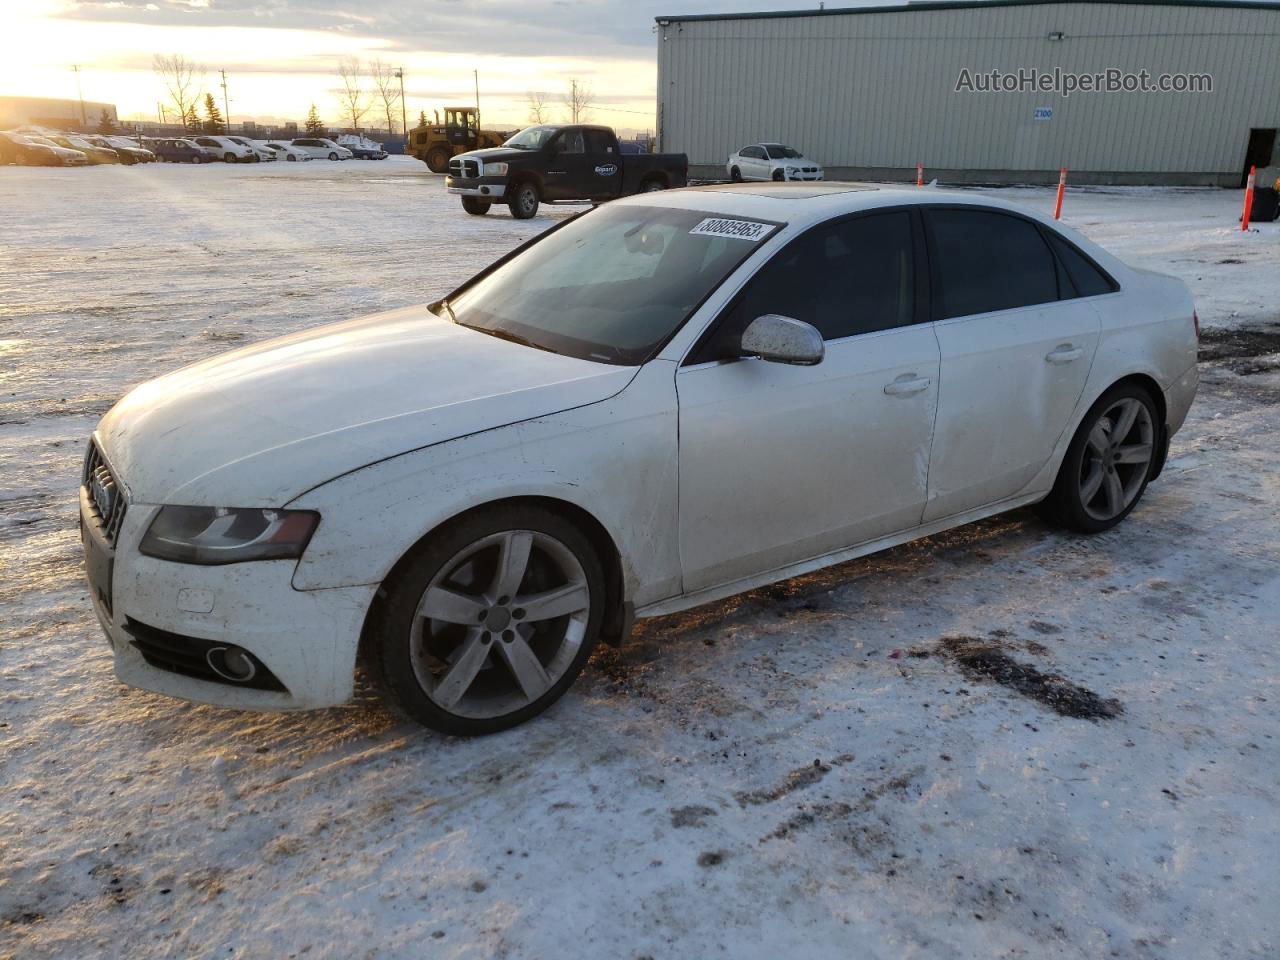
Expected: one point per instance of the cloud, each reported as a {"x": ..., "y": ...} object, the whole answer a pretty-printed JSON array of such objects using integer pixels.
[{"x": 528, "y": 28}]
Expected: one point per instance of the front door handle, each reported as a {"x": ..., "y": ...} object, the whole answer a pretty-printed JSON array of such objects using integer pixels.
[
  {"x": 1064, "y": 353},
  {"x": 907, "y": 385}
]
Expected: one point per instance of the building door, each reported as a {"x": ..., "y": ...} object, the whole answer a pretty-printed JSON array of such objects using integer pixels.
[{"x": 1261, "y": 145}]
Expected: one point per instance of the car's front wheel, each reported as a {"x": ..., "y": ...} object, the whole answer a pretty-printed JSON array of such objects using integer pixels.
[
  {"x": 333, "y": 156},
  {"x": 229, "y": 157},
  {"x": 735, "y": 175},
  {"x": 476, "y": 206},
  {"x": 1108, "y": 463},
  {"x": 491, "y": 621},
  {"x": 524, "y": 201}
]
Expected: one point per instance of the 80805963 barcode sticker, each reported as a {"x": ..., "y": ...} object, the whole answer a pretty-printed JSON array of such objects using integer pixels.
[{"x": 733, "y": 229}]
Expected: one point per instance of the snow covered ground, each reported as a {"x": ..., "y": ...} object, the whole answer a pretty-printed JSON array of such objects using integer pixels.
[{"x": 864, "y": 762}]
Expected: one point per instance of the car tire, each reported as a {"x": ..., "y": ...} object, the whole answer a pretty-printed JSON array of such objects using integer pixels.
[
  {"x": 524, "y": 200},
  {"x": 438, "y": 161},
  {"x": 229, "y": 157},
  {"x": 1103, "y": 476},
  {"x": 291, "y": 159},
  {"x": 476, "y": 206},
  {"x": 333, "y": 156},
  {"x": 735, "y": 175},
  {"x": 779, "y": 176},
  {"x": 652, "y": 186},
  {"x": 448, "y": 672}
]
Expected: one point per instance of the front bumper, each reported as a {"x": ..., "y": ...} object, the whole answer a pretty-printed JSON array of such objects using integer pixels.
[
  {"x": 307, "y": 639},
  {"x": 804, "y": 177},
  {"x": 490, "y": 188}
]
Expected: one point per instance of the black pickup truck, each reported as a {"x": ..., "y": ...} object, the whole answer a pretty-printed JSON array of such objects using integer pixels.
[{"x": 558, "y": 163}]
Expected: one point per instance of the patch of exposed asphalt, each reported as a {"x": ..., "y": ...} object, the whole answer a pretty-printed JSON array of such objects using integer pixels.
[
  {"x": 839, "y": 809},
  {"x": 690, "y": 816},
  {"x": 797, "y": 779},
  {"x": 981, "y": 660},
  {"x": 1244, "y": 351}
]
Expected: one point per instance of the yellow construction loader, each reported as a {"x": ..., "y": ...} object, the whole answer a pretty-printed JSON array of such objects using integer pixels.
[{"x": 434, "y": 143}]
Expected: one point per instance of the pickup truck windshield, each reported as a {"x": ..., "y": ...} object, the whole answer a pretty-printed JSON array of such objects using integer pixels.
[
  {"x": 531, "y": 138},
  {"x": 612, "y": 285}
]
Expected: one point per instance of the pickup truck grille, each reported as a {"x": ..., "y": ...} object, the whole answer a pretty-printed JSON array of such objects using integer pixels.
[{"x": 466, "y": 169}]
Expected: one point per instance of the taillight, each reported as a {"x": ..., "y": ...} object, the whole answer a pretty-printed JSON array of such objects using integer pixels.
[{"x": 1195, "y": 319}]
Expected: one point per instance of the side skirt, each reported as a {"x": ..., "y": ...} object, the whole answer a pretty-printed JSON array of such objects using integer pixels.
[{"x": 711, "y": 594}]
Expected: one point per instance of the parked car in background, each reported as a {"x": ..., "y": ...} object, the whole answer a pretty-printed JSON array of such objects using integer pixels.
[
  {"x": 24, "y": 151},
  {"x": 322, "y": 148},
  {"x": 128, "y": 151},
  {"x": 558, "y": 163},
  {"x": 92, "y": 152},
  {"x": 228, "y": 149},
  {"x": 771, "y": 161},
  {"x": 284, "y": 150},
  {"x": 473, "y": 493},
  {"x": 259, "y": 150},
  {"x": 361, "y": 152},
  {"x": 183, "y": 150}
]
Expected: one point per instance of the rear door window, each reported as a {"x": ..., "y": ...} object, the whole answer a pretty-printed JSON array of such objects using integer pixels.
[{"x": 988, "y": 261}]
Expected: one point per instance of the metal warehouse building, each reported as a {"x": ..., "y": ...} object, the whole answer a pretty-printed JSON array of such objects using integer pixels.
[{"x": 872, "y": 91}]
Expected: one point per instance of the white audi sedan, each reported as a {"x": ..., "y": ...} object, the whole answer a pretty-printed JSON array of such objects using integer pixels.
[
  {"x": 771, "y": 161},
  {"x": 655, "y": 404}
]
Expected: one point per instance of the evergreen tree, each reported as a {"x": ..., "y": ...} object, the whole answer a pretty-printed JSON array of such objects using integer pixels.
[
  {"x": 315, "y": 126},
  {"x": 192, "y": 120},
  {"x": 213, "y": 116},
  {"x": 422, "y": 118},
  {"x": 105, "y": 123}
]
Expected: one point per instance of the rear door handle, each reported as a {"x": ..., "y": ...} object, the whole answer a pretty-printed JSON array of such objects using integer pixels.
[
  {"x": 1065, "y": 353},
  {"x": 906, "y": 385}
]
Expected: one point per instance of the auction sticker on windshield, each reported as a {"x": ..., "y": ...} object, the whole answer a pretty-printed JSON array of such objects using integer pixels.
[{"x": 733, "y": 229}]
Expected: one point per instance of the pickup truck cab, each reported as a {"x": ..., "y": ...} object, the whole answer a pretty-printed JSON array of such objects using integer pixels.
[{"x": 558, "y": 163}]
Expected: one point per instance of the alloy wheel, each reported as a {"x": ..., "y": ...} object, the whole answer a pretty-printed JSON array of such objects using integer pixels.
[
  {"x": 500, "y": 624},
  {"x": 1117, "y": 459}
]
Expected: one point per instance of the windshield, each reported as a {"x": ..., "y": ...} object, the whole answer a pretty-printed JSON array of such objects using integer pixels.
[
  {"x": 531, "y": 138},
  {"x": 777, "y": 151},
  {"x": 612, "y": 285}
]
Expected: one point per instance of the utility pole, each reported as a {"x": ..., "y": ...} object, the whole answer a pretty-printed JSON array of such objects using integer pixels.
[
  {"x": 226, "y": 103},
  {"x": 83, "y": 120},
  {"x": 404, "y": 123}
]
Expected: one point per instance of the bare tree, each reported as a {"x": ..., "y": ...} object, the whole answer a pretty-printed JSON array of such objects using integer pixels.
[
  {"x": 387, "y": 86},
  {"x": 182, "y": 79},
  {"x": 578, "y": 99},
  {"x": 539, "y": 112},
  {"x": 353, "y": 96}
]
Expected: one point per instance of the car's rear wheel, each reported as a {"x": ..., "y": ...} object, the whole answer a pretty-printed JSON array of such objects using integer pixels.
[
  {"x": 1108, "y": 463},
  {"x": 735, "y": 175},
  {"x": 476, "y": 206},
  {"x": 524, "y": 200},
  {"x": 438, "y": 161},
  {"x": 652, "y": 186},
  {"x": 490, "y": 622}
]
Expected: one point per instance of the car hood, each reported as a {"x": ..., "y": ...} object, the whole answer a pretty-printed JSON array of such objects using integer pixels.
[
  {"x": 259, "y": 426},
  {"x": 499, "y": 153}
]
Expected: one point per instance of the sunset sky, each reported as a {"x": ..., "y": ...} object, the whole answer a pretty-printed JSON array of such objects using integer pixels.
[{"x": 281, "y": 55}]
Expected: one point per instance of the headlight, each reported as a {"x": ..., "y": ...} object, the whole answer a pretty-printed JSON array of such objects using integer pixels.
[
  {"x": 494, "y": 170},
  {"x": 214, "y": 535}
]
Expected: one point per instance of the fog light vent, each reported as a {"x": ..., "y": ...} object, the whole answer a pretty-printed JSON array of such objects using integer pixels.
[{"x": 201, "y": 659}]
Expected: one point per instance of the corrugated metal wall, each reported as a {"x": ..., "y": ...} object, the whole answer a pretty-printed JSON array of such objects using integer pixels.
[{"x": 877, "y": 90}]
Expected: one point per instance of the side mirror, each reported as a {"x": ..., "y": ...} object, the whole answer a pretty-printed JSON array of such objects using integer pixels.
[{"x": 780, "y": 339}]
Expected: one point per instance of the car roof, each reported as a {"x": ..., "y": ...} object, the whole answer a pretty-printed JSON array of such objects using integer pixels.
[{"x": 802, "y": 205}]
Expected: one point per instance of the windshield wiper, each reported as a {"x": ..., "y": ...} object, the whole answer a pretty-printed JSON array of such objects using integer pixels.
[{"x": 506, "y": 335}]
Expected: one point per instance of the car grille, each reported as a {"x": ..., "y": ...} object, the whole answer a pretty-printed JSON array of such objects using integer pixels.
[
  {"x": 106, "y": 498},
  {"x": 464, "y": 168}
]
